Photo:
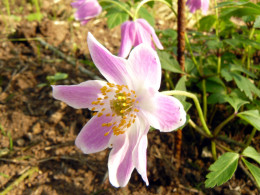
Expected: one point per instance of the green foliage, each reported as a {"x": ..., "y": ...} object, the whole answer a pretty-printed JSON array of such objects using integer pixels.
[
  {"x": 207, "y": 22},
  {"x": 116, "y": 17},
  {"x": 57, "y": 77},
  {"x": 235, "y": 102},
  {"x": 255, "y": 171},
  {"x": 34, "y": 17},
  {"x": 144, "y": 13},
  {"x": 252, "y": 153},
  {"x": 222, "y": 170},
  {"x": 252, "y": 117},
  {"x": 168, "y": 62}
]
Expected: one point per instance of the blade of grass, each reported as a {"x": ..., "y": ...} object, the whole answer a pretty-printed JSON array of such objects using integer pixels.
[
  {"x": 19, "y": 180},
  {"x": 10, "y": 140}
]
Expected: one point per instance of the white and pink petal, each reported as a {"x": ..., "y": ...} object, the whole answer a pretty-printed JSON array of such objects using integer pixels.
[
  {"x": 93, "y": 138},
  {"x": 78, "y": 96},
  {"x": 126, "y": 39},
  {"x": 120, "y": 162},
  {"x": 167, "y": 115},
  {"x": 113, "y": 68},
  {"x": 139, "y": 152},
  {"x": 151, "y": 31},
  {"x": 144, "y": 68}
]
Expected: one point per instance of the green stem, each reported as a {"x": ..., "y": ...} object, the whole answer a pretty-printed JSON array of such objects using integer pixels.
[
  {"x": 119, "y": 5},
  {"x": 213, "y": 150},
  {"x": 197, "y": 128},
  {"x": 205, "y": 107},
  {"x": 168, "y": 80},
  {"x": 191, "y": 52},
  {"x": 217, "y": 35},
  {"x": 248, "y": 142},
  {"x": 197, "y": 104},
  {"x": 6, "y": 2},
  {"x": 146, "y": 1},
  {"x": 247, "y": 50},
  {"x": 230, "y": 141},
  {"x": 221, "y": 125},
  {"x": 36, "y": 3}
]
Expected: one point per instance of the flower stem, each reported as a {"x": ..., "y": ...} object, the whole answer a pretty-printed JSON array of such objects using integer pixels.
[
  {"x": 248, "y": 142},
  {"x": 205, "y": 106},
  {"x": 146, "y": 1},
  {"x": 217, "y": 35},
  {"x": 213, "y": 150},
  {"x": 197, "y": 104},
  {"x": 119, "y": 5},
  {"x": 191, "y": 52},
  {"x": 221, "y": 125},
  {"x": 247, "y": 50},
  {"x": 197, "y": 128}
]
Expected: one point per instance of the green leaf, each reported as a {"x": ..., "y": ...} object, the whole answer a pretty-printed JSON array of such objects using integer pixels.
[
  {"x": 226, "y": 74},
  {"x": 244, "y": 84},
  {"x": 238, "y": 67},
  {"x": 222, "y": 169},
  {"x": 207, "y": 22},
  {"x": 213, "y": 85},
  {"x": 169, "y": 33},
  {"x": 255, "y": 171},
  {"x": 168, "y": 62},
  {"x": 252, "y": 153},
  {"x": 115, "y": 18},
  {"x": 252, "y": 117},
  {"x": 235, "y": 102},
  {"x": 182, "y": 87},
  {"x": 143, "y": 13},
  {"x": 34, "y": 16},
  {"x": 58, "y": 76},
  {"x": 239, "y": 12},
  {"x": 214, "y": 44},
  {"x": 257, "y": 22},
  {"x": 215, "y": 98}
]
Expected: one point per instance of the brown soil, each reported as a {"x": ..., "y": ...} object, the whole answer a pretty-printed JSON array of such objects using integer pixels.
[{"x": 43, "y": 130}]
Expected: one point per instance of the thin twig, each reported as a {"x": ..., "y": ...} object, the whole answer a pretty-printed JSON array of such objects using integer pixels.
[{"x": 69, "y": 60}]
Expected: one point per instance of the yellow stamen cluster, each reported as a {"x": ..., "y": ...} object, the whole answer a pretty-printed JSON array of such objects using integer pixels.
[{"x": 122, "y": 103}]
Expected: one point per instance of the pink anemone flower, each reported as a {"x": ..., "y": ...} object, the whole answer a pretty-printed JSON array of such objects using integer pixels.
[
  {"x": 136, "y": 32},
  {"x": 198, "y": 4},
  {"x": 86, "y": 9},
  {"x": 125, "y": 107}
]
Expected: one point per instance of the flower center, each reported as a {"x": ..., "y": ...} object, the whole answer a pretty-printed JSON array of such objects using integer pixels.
[{"x": 120, "y": 103}]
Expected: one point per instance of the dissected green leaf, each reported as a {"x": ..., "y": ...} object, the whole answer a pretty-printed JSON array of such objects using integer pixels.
[
  {"x": 144, "y": 13},
  {"x": 215, "y": 98},
  {"x": 238, "y": 67},
  {"x": 236, "y": 102},
  {"x": 244, "y": 84},
  {"x": 168, "y": 62},
  {"x": 182, "y": 87},
  {"x": 257, "y": 22},
  {"x": 207, "y": 22},
  {"x": 213, "y": 85},
  {"x": 226, "y": 74},
  {"x": 239, "y": 12},
  {"x": 116, "y": 18},
  {"x": 169, "y": 33},
  {"x": 222, "y": 170},
  {"x": 254, "y": 170},
  {"x": 252, "y": 117},
  {"x": 252, "y": 153}
]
